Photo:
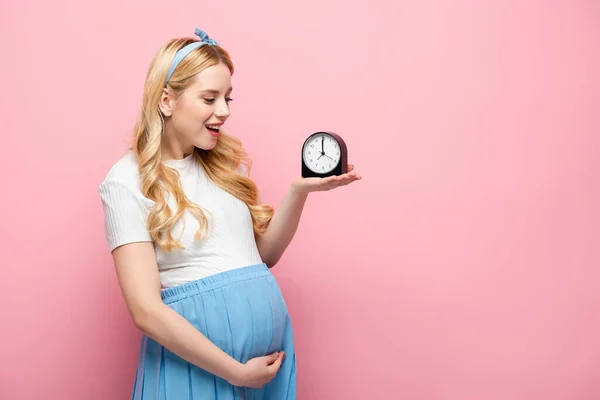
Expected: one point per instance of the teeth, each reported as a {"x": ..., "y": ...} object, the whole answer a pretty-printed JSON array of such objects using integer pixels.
[{"x": 212, "y": 127}]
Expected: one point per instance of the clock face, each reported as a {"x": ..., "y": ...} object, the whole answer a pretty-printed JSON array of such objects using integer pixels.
[{"x": 321, "y": 153}]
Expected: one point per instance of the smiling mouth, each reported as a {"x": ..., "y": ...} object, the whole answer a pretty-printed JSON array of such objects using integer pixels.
[{"x": 212, "y": 128}]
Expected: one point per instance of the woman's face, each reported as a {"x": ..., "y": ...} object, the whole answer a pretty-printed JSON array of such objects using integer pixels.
[{"x": 193, "y": 119}]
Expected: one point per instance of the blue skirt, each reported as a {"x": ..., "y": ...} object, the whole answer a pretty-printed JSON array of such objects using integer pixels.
[{"x": 244, "y": 313}]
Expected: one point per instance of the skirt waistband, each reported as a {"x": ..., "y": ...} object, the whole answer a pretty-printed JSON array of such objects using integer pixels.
[{"x": 215, "y": 281}]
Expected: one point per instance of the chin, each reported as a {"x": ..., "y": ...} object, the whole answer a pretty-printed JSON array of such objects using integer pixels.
[
  {"x": 207, "y": 144},
  {"x": 205, "y": 140}
]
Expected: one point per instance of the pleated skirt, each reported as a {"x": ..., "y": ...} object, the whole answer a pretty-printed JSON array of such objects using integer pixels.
[{"x": 244, "y": 313}]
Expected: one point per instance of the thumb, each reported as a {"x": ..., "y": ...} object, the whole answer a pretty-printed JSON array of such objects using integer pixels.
[{"x": 271, "y": 358}]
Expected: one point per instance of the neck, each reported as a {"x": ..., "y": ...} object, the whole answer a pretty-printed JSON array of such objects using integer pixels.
[{"x": 173, "y": 150}]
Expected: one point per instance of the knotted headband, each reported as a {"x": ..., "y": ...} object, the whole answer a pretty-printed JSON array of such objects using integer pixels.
[{"x": 181, "y": 53}]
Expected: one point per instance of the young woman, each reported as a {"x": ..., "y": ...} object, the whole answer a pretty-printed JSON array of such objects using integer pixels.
[{"x": 191, "y": 243}]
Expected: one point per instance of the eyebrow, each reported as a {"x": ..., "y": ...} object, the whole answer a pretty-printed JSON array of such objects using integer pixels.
[{"x": 213, "y": 91}]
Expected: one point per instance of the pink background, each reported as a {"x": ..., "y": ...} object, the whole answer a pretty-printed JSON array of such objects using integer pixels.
[{"x": 464, "y": 265}]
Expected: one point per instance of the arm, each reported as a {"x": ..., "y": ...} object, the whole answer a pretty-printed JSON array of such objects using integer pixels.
[
  {"x": 137, "y": 273},
  {"x": 282, "y": 227},
  {"x": 284, "y": 223}
]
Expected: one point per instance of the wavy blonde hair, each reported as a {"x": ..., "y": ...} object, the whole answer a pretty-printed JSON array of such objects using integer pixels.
[{"x": 221, "y": 163}]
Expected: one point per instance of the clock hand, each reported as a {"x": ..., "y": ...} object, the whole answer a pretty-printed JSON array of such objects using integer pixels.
[
  {"x": 329, "y": 157},
  {"x": 322, "y": 144}
]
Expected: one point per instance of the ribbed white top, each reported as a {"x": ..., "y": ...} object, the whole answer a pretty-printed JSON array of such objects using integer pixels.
[{"x": 230, "y": 242}]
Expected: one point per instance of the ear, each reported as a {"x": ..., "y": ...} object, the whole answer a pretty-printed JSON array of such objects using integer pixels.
[{"x": 165, "y": 103}]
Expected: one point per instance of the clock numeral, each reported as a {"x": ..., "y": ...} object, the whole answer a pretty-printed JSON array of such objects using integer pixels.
[
  {"x": 312, "y": 145},
  {"x": 309, "y": 152}
]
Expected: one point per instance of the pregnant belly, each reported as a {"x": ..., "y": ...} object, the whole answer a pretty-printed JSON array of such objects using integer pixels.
[{"x": 246, "y": 319}]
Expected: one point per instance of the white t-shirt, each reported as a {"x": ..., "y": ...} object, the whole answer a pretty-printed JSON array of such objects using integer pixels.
[{"x": 230, "y": 241}]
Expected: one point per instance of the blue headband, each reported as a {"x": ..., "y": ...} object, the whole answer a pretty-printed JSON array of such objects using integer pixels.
[{"x": 181, "y": 53}]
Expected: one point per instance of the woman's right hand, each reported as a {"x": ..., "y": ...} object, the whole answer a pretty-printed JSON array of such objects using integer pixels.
[{"x": 258, "y": 371}]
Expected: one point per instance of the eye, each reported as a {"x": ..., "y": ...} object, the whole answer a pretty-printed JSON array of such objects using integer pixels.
[{"x": 211, "y": 101}]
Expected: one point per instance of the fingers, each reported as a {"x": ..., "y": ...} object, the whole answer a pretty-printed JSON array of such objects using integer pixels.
[
  {"x": 271, "y": 358},
  {"x": 263, "y": 369},
  {"x": 277, "y": 364},
  {"x": 352, "y": 173},
  {"x": 331, "y": 182},
  {"x": 344, "y": 179}
]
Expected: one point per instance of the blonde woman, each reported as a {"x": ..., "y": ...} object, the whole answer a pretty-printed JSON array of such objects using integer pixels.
[{"x": 193, "y": 246}]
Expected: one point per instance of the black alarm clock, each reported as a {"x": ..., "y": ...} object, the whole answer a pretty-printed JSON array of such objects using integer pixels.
[{"x": 324, "y": 154}]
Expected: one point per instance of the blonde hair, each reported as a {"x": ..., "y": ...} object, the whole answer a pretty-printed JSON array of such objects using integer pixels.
[{"x": 220, "y": 163}]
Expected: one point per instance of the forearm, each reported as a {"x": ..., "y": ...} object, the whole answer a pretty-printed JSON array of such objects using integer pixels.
[
  {"x": 282, "y": 227},
  {"x": 175, "y": 333}
]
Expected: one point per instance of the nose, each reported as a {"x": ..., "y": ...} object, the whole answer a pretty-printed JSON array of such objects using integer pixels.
[{"x": 222, "y": 112}]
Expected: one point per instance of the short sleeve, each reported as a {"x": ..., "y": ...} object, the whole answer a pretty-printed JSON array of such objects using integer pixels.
[{"x": 125, "y": 214}]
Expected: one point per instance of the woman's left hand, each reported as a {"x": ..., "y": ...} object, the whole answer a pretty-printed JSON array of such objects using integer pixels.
[{"x": 307, "y": 185}]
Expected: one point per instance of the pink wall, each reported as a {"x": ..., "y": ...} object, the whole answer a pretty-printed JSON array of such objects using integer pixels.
[{"x": 463, "y": 266}]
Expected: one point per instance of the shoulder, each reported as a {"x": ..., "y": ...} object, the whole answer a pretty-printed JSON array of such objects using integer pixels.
[
  {"x": 124, "y": 171},
  {"x": 125, "y": 207},
  {"x": 122, "y": 180}
]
